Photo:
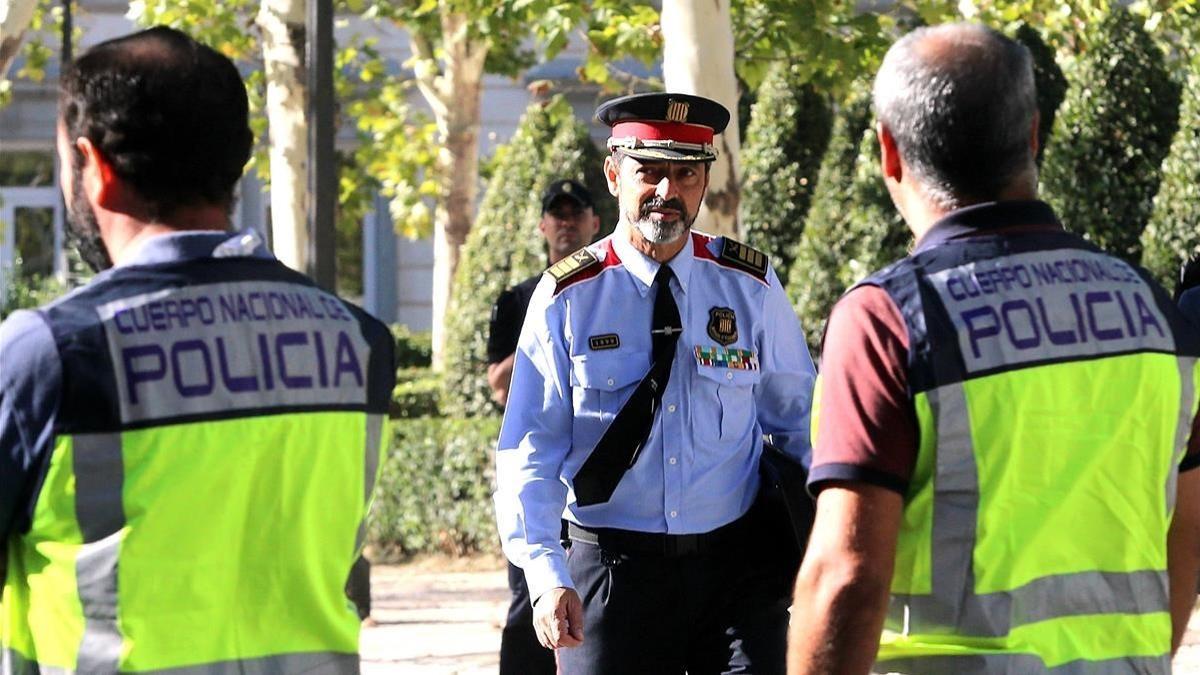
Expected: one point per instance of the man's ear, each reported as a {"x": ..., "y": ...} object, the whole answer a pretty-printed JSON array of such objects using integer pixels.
[
  {"x": 595, "y": 225},
  {"x": 100, "y": 183},
  {"x": 611, "y": 169},
  {"x": 889, "y": 154}
]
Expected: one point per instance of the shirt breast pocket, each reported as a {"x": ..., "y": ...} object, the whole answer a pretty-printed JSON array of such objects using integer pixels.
[
  {"x": 600, "y": 384},
  {"x": 730, "y": 392}
]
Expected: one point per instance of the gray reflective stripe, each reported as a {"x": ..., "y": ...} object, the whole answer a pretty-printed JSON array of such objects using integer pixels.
[
  {"x": 316, "y": 663},
  {"x": 371, "y": 458},
  {"x": 955, "y": 509},
  {"x": 99, "y": 479},
  {"x": 1022, "y": 664},
  {"x": 952, "y": 603},
  {"x": 995, "y": 614},
  {"x": 1183, "y": 429},
  {"x": 99, "y": 476}
]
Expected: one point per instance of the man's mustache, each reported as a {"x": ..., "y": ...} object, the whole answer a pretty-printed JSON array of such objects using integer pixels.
[{"x": 659, "y": 203}]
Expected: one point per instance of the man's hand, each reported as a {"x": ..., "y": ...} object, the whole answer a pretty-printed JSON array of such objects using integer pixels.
[
  {"x": 499, "y": 377},
  {"x": 558, "y": 618}
]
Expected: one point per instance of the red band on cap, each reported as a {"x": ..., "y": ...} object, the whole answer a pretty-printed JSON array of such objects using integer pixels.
[{"x": 664, "y": 131}]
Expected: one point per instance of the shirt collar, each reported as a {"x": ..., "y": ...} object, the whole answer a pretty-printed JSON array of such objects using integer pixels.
[
  {"x": 644, "y": 268},
  {"x": 978, "y": 218},
  {"x": 183, "y": 246}
]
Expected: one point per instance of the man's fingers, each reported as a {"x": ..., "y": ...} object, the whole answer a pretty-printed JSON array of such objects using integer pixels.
[
  {"x": 558, "y": 619},
  {"x": 575, "y": 617},
  {"x": 569, "y": 634}
]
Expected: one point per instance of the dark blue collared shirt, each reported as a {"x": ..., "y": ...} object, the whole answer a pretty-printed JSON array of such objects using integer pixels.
[{"x": 31, "y": 373}]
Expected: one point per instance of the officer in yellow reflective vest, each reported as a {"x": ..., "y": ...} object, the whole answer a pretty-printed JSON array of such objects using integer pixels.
[
  {"x": 1000, "y": 450},
  {"x": 188, "y": 443}
]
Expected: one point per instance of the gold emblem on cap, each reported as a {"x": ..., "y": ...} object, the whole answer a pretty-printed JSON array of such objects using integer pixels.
[
  {"x": 677, "y": 111},
  {"x": 566, "y": 187}
]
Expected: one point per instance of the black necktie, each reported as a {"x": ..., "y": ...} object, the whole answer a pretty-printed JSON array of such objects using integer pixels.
[{"x": 621, "y": 443}]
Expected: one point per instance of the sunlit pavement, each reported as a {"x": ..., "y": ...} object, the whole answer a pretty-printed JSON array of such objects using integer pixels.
[
  {"x": 432, "y": 618},
  {"x": 443, "y": 617}
]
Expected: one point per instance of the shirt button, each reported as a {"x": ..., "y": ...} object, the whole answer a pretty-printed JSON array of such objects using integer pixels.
[
  {"x": 611, "y": 381},
  {"x": 671, "y": 408},
  {"x": 673, "y": 460},
  {"x": 674, "y": 514},
  {"x": 728, "y": 376}
]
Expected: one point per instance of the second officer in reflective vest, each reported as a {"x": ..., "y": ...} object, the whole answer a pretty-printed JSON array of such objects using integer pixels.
[{"x": 1003, "y": 415}]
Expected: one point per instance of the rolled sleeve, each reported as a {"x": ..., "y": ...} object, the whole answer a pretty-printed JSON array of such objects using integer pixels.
[
  {"x": 30, "y": 387},
  {"x": 866, "y": 429},
  {"x": 784, "y": 397},
  {"x": 534, "y": 440}
]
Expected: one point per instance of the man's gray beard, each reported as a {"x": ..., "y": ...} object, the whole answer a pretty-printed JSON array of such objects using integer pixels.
[{"x": 661, "y": 231}]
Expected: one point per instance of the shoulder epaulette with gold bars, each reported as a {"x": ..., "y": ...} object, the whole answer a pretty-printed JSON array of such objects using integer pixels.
[
  {"x": 570, "y": 268},
  {"x": 744, "y": 257}
]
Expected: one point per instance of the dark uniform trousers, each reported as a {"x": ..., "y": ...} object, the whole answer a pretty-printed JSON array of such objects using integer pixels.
[
  {"x": 721, "y": 609},
  {"x": 520, "y": 651}
]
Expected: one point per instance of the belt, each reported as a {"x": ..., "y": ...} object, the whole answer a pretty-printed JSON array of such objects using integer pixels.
[{"x": 659, "y": 543}]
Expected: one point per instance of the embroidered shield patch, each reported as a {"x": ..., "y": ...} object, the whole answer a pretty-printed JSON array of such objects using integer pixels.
[{"x": 722, "y": 325}]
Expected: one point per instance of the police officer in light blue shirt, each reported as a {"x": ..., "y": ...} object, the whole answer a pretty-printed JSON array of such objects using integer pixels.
[{"x": 649, "y": 368}]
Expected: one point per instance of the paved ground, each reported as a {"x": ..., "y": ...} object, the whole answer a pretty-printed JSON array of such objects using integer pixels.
[
  {"x": 443, "y": 617},
  {"x": 435, "y": 617}
]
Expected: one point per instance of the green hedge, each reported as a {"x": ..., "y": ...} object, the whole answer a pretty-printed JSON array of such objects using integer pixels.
[
  {"x": 435, "y": 489},
  {"x": 853, "y": 227},
  {"x": 418, "y": 393},
  {"x": 1049, "y": 80},
  {"x": 413, "y": 350},
  {"x": 786, "y": 138},
  {"x": 1103, "y": 161},
  {"x": 23, "y": 292},
  {"x": 1173, "y": 234}
]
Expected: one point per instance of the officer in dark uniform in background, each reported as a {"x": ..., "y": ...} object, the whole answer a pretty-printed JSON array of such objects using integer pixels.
[
  {"x": 568, "y": 222},
  {"x": 649, "y": 367}
]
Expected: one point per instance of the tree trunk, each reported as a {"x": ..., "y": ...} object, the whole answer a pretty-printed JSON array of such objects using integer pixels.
[
  {"x": 454, "y": 97},
  {"x": 15, "y": 16},
  {"x": 282, "y": 23},
  {"x": 698, "y": 59}
]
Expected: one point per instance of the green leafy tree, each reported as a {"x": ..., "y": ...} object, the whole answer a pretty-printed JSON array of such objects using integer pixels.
[
  {"x": 1103, "y": 163},
  {"x": 1173, "y": 234},
  {"x": 789, "y": 130},
  {"x": 853, "y": 228},
  {"x": 505, "y": 247},
  {"x": 1048, "y": 78}
]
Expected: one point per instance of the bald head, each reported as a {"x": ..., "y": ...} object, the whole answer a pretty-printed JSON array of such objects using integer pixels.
[{"x": 959, "y": 100}]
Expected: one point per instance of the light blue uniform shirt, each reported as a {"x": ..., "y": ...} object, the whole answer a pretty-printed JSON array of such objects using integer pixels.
[{"x": 699, "y": 468}]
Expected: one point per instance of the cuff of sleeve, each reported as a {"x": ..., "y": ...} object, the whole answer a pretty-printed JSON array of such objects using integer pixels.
[
  {"x": 1189, "y": 462},
  {"x": 546, "y": 573},
  {"x": 822, "y": 475}
]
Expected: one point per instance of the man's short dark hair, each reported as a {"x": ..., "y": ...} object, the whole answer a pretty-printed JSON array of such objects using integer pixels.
[
  {"x": 959, "y": 99},
  {"x": 170, "y": 115}
]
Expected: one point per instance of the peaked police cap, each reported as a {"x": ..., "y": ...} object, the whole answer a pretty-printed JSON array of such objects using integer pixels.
[{"x": 666, "y": 126}]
